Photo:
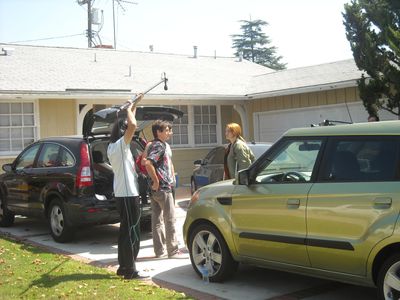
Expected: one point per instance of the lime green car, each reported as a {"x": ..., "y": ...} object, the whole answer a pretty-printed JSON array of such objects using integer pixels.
[{"x": 322, "y": 201}]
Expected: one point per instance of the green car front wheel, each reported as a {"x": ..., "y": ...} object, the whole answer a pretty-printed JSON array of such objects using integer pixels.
[{"x": 207, "y": 246}]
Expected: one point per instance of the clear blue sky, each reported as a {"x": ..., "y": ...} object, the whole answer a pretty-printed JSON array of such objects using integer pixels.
[{"x": 306, "y": 32}]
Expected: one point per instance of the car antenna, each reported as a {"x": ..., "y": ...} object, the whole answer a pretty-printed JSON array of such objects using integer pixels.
[{"x": 348, "y": 110}]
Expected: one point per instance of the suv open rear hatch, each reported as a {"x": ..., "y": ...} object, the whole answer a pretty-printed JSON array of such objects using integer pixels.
[{"x": 102, "y": 121}]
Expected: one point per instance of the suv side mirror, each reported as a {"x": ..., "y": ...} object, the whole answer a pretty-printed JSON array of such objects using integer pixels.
[
  {"x": 7, "y": 168},
  {"x": 197, "y": 162},
  {"x": 243, "y": 177}
]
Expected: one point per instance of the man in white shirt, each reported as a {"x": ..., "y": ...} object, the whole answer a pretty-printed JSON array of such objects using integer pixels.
[{"x": 126, "y": 192}]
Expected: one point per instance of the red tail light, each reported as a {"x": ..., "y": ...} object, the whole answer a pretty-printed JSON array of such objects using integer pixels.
[{"x": 84, "y": 176}]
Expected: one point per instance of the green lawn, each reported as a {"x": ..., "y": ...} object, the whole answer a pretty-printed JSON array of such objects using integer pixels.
[{"x": 28, "y": 272}]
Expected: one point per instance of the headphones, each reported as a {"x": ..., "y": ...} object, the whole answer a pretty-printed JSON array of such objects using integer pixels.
[{"x": 123, "y": 125}]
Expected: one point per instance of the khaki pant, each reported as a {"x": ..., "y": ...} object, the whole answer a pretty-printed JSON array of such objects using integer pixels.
[{"x": 163, "y": 223}]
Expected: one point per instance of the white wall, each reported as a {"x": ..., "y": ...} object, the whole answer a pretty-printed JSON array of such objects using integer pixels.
[{"x": 269, "y": 126}]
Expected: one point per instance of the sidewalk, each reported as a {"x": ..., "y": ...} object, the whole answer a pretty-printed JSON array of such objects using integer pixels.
[
  {"x": 182, "y": 193},
  {"x": 98, "y": 246},
  {"x": 176, "y": 274}
]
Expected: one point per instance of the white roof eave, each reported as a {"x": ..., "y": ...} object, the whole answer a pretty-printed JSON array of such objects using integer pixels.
[
  {"x": 150, "y": 98},
  {"x": 303, "y": 90}
]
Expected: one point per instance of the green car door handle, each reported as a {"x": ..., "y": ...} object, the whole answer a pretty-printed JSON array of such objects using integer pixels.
[
  {"x": 293, "y": 203},
  {"x": 383, "y": 202}
]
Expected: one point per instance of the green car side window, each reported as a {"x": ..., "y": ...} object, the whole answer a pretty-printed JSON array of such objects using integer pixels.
[
  {"x": 361, "y": 159},
  {"x": 293, "y": 163}
]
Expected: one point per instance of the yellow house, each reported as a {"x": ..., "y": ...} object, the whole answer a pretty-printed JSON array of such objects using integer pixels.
[{"x": 46, "y": 91}]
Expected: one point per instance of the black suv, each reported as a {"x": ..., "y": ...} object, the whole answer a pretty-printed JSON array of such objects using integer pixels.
[{"x": 68, "y": 180}]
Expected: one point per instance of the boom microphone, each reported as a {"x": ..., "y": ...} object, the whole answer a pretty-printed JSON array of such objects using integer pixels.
[
  {"x": 165, "y": 83},
  {"x": 136, "y": 98}
]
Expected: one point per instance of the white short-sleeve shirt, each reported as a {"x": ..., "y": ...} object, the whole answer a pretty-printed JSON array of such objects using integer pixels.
[{"x": 125, "y": 177}]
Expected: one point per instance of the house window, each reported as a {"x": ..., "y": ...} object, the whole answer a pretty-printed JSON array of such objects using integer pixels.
[
  {"x": 17, "y": 126},
  {"x": 198, "y": 126},
  {"x": 180, "y": 128},
  {"x": 205, "y": 124}
]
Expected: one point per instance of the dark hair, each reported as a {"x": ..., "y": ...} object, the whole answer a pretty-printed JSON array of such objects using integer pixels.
[
  {"x": 160, "y": 125},
  {"x": 118, "y": 130}
]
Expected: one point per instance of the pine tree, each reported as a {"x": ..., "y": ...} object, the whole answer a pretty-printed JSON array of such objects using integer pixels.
[
  {"x": 373, "y": 30},
  {"x": 252, "y": 45}
]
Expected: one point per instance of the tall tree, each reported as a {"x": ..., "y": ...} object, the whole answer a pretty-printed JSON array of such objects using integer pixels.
[
  {"x": 373, "y": 30},
  {"x": 252, "y": 45}
]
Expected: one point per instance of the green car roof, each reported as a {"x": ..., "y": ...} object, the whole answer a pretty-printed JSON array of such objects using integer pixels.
[{"x": 367, "y": 128}]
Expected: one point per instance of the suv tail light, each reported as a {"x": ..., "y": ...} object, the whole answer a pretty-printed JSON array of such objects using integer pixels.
[{"x": 84, "y": 176}]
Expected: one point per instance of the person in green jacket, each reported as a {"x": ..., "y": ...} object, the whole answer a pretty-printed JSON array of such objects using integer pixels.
[{"x": 238, "y": 155}]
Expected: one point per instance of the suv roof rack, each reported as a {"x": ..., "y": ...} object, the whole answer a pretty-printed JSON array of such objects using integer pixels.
[{"x": 330, "y": 123}]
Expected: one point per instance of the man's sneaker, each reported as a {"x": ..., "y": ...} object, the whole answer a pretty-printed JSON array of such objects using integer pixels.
[
  {"x": 123, "y": 271},
  {"x": 163, "y": 255},
  {"x": 178, "y": 255},
  {"x": 136, "y": 275}
]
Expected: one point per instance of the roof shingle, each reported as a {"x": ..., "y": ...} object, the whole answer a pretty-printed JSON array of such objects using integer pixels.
[{"x": 56, "y": 70}]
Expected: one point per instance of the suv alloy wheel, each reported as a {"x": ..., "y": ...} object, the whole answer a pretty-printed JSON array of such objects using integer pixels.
[{"x": 60, "y": 230}]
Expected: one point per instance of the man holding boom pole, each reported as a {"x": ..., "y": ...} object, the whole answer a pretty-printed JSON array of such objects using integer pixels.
[{"x": 126, "y": 191}]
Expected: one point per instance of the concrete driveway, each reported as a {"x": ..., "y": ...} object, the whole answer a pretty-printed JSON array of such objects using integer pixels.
[{"x": 98, "y": 245}]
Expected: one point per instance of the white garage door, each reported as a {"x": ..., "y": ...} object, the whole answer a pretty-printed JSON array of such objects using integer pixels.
[{"x": 269, "y": 126}]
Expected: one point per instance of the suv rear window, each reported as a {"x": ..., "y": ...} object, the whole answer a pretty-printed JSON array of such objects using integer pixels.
[
  {"x": 48, "y": 156},
  {"x": 66, "y": 160}
]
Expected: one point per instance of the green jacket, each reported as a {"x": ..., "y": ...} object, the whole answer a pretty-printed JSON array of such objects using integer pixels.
[{"x": 239, "y": 157}]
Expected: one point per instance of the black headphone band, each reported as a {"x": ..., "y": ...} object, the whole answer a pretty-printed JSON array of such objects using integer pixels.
[{"x": 123, "y": 125}]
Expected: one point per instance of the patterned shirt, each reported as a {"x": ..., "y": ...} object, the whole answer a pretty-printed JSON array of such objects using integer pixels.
[{"x": 161, "y": 162}]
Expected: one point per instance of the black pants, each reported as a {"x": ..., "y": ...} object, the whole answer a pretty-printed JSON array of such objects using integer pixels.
[{"x": 129, "y": 232}]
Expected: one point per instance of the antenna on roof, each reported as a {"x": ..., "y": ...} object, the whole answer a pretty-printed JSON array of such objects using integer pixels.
[{"x": 120, "y": 5}]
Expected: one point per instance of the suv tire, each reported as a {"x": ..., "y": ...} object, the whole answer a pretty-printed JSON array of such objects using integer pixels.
[
  {"x": 199, "y": 250},
  {"x": 59, "y": 228},
  {"x": 6, "y": 217},
  {"x": 389, "y": 274}
]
